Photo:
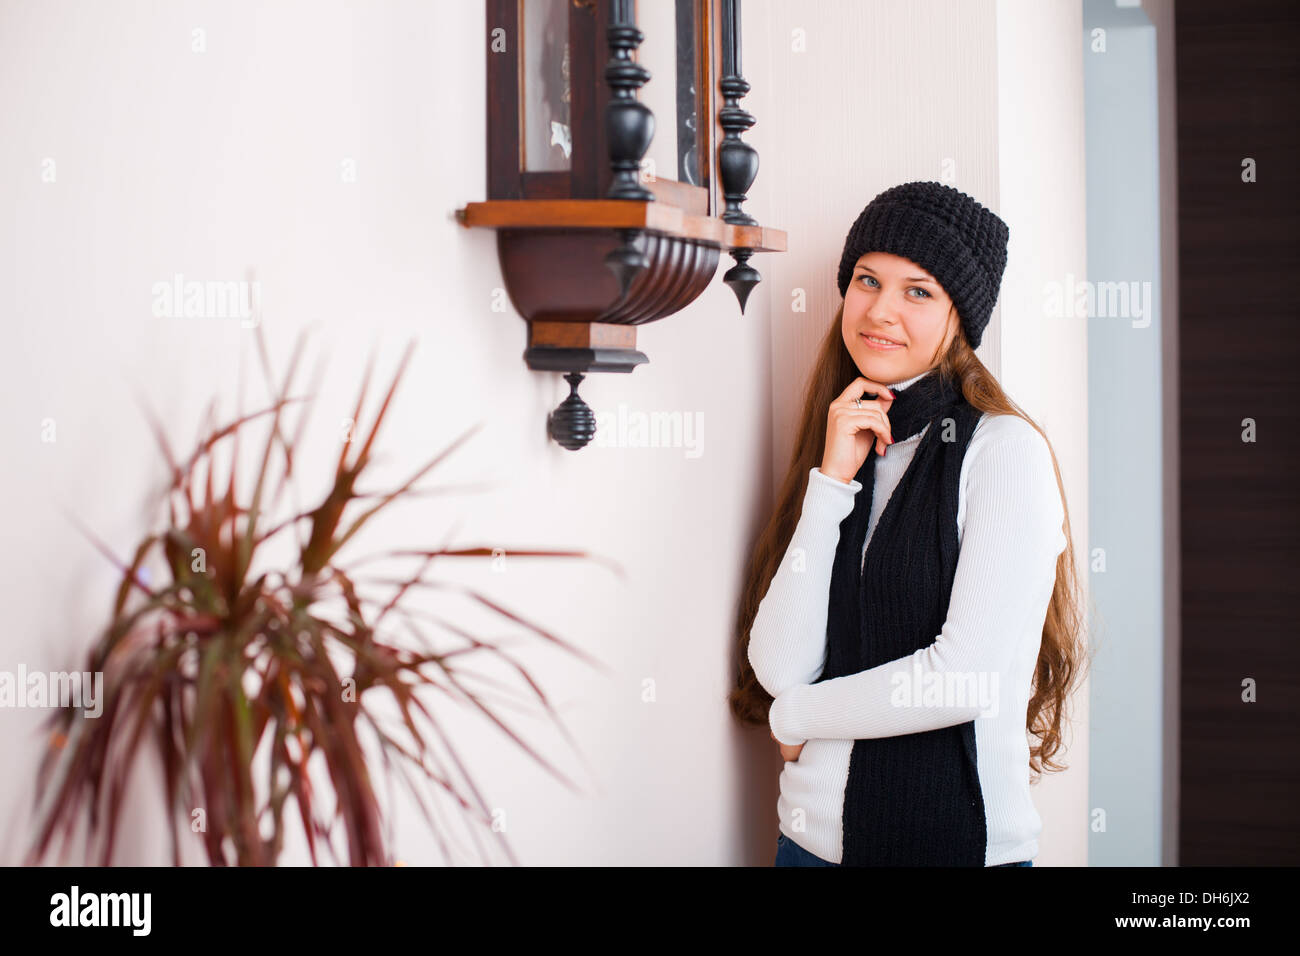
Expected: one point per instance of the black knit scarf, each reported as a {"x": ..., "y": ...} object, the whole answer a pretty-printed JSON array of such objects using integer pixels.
[{"x": 911, "y": 800}]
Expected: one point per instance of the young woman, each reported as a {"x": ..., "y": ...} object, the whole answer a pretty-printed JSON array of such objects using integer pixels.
[{"x": 909, "y": 612}]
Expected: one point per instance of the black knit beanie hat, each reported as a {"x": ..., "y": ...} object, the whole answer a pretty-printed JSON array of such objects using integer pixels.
[{"x": 944, "y": 231}]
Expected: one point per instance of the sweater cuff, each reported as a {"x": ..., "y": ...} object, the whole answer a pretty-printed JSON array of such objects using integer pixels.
[
  {"x": 825, "y": 486},
  {"x": 778, "y": 716}
]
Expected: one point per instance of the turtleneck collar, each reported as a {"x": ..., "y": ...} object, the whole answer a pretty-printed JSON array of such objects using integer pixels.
[{"x": 907, "y": 382}]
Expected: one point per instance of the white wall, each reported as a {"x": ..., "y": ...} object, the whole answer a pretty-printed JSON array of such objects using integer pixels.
[
  {"x": 212, "y": 164},
  {"x": 216, "y": 163},
  {"x": 1042, "y": 361}
]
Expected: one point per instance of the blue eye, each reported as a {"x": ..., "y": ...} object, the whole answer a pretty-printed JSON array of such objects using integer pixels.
[{"x": 916, "y": 288}]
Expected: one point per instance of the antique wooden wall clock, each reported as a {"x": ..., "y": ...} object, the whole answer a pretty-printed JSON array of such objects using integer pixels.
[{"x": 615, "y": 175}]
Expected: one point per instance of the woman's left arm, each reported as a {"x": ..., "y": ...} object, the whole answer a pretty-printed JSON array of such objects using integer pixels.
[{"x": 1006, "y": 569}]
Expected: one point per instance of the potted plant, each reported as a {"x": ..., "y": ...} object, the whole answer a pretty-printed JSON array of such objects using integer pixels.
[{"x": 249, "y": 676}]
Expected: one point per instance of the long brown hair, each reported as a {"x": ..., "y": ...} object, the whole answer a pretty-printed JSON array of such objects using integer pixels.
[{"x": 1062, "y": 657}]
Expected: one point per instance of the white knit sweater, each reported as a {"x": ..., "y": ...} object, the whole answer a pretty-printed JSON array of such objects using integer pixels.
[{"x": 1009, "y": 531}]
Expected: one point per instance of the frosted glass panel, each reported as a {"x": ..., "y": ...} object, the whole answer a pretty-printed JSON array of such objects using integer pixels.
[
  {"x": 668, "y": 52},
  {"x": 546, "y": 138}
]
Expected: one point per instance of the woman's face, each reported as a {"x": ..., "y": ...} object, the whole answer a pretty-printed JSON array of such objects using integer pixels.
[{"x": 893, "y": 298}]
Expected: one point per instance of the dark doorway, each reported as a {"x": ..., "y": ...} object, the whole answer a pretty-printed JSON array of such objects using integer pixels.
[{"x": 1238, "y": 74}]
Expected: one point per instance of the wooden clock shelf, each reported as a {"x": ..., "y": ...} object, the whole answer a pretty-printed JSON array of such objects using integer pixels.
[{"x": 656, "y": 217}]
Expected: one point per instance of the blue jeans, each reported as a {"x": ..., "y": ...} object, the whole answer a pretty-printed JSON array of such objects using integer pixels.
[{"x": 789, "y": 853}]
